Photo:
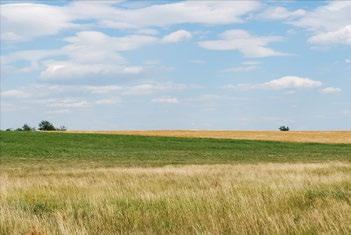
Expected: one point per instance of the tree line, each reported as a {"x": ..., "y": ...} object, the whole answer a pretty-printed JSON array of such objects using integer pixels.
[{"x": 42, "y": 126}]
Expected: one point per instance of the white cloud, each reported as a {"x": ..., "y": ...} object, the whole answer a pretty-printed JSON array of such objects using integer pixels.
[
  {"x": 240, "y": 69},
  {"x": 330, "y": 90},
  {"x": 58, "y": 111},
  {"x": 166, "y": 100},
  {"x": 329, "y": 24},
  {"x": 291, "y": 82},
  {"x": 107, "y": 101},
  {"x": 197, "y": 61},
  {"x": 201, "y": 12},
  {"x": 88, "y": 53},
  {"x": 24, "y": 21},
  {"x": 33, "y": 57},
  {"x": 348, "y": 61},
  {"x": 94, "y": 39},
  {"x": 147, "y": 31},
  {"x": 177, "y": 36},
  {"x": 15, "y": 93},
  {"x": 244, "y": 42},
  {"x": 342, "y": 36},
  {"x": 68, "y": 103},
  {"x": 47, "y": 90},
  {"x": 244, "y": 67},
  {"x": 33, "y": 91},
  {"x": 330, "y": 17},
  {"x": 150, "y": 88},
  {"x": 63, "y": 70},
  {"x": 281, "y": 13},
  {"x": 102, "y": 89},
  {"x": 283, "y": 83},
  {"x": 207, "y": 99}
]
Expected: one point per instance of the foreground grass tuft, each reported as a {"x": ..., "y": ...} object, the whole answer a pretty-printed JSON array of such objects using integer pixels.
[{"x": 214, "y": 199}]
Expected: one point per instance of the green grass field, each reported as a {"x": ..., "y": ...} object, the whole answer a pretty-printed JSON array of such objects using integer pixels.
[
  {"x": 60, "y": 183},
  {"x": 46, "y": 149}
]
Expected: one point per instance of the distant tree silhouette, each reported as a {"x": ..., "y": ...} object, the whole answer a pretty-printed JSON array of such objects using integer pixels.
[
  {"x": 284, "y": 128},
  {"x": 46, "y": 126},
  {"x": 26, "y": 127}
]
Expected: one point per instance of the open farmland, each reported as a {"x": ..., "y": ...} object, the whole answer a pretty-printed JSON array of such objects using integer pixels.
[
  {"x": 63, "y": 183},
  {"x": 291, "y": 136}
]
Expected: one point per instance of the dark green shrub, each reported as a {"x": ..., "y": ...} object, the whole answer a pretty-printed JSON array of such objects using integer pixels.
[
  {"x": 26, "y": 127},
  {"x": 46, "y": 126},
  {"x": 284, "y": 128}
]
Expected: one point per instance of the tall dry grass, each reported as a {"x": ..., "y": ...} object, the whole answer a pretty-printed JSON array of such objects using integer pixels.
[
  {"x": 312, "y": 198},
  {"x": 336, "y": 137}
]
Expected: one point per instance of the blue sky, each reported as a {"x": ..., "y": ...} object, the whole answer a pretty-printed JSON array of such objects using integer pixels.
[{"x": 176, "y": 65}]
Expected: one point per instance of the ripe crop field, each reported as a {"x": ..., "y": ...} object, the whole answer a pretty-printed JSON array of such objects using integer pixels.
[
  {"x": 291, "y": 136},
  {"x": 66, "y": 183}
]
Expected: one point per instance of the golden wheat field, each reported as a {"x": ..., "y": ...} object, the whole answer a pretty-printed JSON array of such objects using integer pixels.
[
  {"x": 269, "y": 198},
  {"x": 291, "y": 136}
]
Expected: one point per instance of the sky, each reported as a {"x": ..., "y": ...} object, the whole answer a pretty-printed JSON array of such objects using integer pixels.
[{"x": 220, "y": 65}]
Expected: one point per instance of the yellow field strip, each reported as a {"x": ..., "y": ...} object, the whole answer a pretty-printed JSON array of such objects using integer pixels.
[{"x": 291, "y": 136}]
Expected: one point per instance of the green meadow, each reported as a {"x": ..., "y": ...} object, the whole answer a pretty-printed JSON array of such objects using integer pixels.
[{"x": 61, "y": 183}]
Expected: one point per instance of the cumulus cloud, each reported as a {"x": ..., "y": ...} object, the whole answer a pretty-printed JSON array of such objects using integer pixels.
[
  {"x": 107, "y": 101},
  {"x": 200, "y": 12},
  {"x": 102, "y": 89},
  {"x": 47, "y": 90},
  {"x": 86, "y": 40},
  {"x": 147, "y": 31},
  {"x": 244, "y": 42},
  {"x": 33, "y": 91},
  {"x": 281, "y": 13},
  {"x": 64, "y": 70},
  {"x": 329, "y": 24},
  {"x": 177, "y": 36},
  {"x": 24, "y": 21},
  {"x": 88, "y": 53},
  {"x": 166, "y": 100},
  {"x": 68, "y": 103},
  {"x": 15, "y": 93},
  {"x": 152, "y": 87},
  {"x": 283, "y": 83},
  {"x": 197, "y": 61},
  {"x": 342, "y": 36},
  {"x": 246, "y": 66},
  {"x": 291, "y": 82},
  {"x": 330, "y": 90}
]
